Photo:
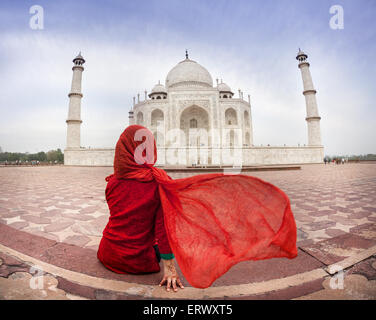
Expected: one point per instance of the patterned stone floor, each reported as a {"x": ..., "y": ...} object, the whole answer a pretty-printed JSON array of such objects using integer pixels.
[
  {"x": 67, "y": 204},
  {"x": 334, "y": 207}
]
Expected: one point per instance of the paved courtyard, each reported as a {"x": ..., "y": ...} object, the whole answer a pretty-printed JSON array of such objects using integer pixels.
[{"x": 54, "y": 217}]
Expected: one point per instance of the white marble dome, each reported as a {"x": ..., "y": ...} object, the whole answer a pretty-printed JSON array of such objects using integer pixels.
[
  {"x": 223, "y": 87},
  {"x": 159, "y": 88},
  {"x": 188, "y": 73}
]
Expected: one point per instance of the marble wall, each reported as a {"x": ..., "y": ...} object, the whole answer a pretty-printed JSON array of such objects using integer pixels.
[{"x": 213, "y": 156}]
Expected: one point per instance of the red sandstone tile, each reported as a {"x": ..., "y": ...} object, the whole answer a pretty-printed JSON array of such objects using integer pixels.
[
  {"x": 78, "y": 240},
  {"x": 35, "y": 219},
  {"x": 23, "y": 241},
  {"x": 364, "y": 268},
  {"x": 9, "y": 260},
  {"x": 321, "y": 213},
  {"x": 58, "y": 226},
  {"x": 3, "y": 211},
  {"x": 360, "y": 215},
  {"x": 333, "y": 232},
  {"x": 285, "y": 294},
  {"x": 343, "y": 220},
  {"x": 93, "y": 247},
  {"x": 6, "y": 271},
  {"x": 71, "y": 207},
  {"x": 321, "y": 225},
  {"x": 46, "y": 235},
  {"x": 304, "y": 218},
  {"x": 91, "y": 209},
  {"x": 367, "y": 230},
  {"x": 19, "y": 224},
  {"x": 328, "y": 251},
  {"x": 303, "y": 243},
  {"x": 79, "y": 216},
  {"x": 263, "y": 270},
  {"x": 51, "y": 213},
  {"x": 306, "y": 207},
  {"x": 85, "y": 261},
  {"x": 100, "y": 221},
  {"x": 76, "y": 289}
]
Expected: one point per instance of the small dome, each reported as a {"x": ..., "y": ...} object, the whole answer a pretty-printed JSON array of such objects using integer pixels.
[
  {"x": 223, "y": 87},
  {"x": 159, "y": 88},
  {"x": 79, "y": 57},
  {"x": 301, "y": 54},
  {"x": 188, "y": 72}
]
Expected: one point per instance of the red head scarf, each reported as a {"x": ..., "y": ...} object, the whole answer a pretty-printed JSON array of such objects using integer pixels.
[
  {"x": 135, "y": 154},
  {"x": 213, "y": 221}
]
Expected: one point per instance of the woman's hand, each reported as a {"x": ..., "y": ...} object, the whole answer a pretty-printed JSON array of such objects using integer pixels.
[{"x": 170, "y": 275}]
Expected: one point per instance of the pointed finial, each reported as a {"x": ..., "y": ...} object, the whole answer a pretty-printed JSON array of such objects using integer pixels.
[{"x": 186, "y": 53}]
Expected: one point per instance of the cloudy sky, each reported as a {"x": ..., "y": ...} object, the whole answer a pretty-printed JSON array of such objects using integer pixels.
[{"x": 130, "y": 45}]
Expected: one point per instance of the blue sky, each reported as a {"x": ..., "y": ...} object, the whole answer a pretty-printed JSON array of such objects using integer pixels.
[{"x": 130, "y": 45}]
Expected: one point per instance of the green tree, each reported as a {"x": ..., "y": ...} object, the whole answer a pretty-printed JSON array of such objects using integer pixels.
[
  {"x": 55, "y": 155},
  {"x": 41, "y": 156},
  {"x": 60, "y": 155}
]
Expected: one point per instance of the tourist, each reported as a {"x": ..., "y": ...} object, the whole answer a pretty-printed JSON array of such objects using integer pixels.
[{"x": 208, "y": 222}]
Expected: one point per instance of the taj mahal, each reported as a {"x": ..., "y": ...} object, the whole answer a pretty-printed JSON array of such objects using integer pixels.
[{"x": 197, "y": 123}]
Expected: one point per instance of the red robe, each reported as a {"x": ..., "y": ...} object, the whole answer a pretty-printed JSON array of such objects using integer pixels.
[
  {"x": 212, "y": 221},
  {"x": 136, "y": 221}
]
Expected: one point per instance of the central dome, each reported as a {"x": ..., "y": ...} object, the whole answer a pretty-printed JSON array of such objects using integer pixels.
[{"x": 188, "y": 73}]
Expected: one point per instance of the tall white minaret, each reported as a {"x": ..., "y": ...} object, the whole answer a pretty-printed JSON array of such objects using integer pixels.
[
  {"x": 309, "y": 92},
  {"x": 130, "y": 117},
  {"x": 251, "y": 122},
  {"x": 74, "y": 115}
]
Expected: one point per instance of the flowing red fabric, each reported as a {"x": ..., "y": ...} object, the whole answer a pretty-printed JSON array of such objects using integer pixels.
[{"x": 213, "y": 221}]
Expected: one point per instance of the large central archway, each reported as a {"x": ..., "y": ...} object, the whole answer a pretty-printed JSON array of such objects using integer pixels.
[
  {"x": 194, "y": 125},
  {"x": 194, "y": 122}
]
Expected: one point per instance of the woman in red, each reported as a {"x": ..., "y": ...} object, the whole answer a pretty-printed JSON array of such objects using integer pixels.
[
  {"x": 135, "y": 225},
  {"x": 208, "y": 222},
  {"x": 134, "y": 239}
]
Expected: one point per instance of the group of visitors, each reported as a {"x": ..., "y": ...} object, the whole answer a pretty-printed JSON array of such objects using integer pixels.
[
  {"x": 336, "y": 160},
  {"x": 26, "y": 162}
]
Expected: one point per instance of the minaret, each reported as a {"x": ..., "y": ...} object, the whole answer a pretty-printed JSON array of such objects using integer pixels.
[
  {"x": 313, "y": 118},
  {"x": 250, "y": 123},
  {"x": 74, "y": 116},
  {"x": 130, "y": 116}
]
